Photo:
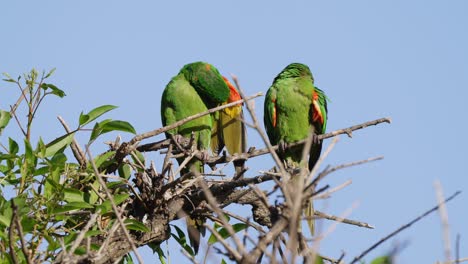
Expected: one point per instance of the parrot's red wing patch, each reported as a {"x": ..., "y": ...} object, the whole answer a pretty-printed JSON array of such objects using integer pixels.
[
  {"x": 233, "y": 93},
  {"x": 317, "y": 113},
  {"x": 274, "y": 112}
]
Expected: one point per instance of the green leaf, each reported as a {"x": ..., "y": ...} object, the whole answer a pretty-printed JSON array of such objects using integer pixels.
[
  {"x": 125, "y": 171},
  {"x": 58, "y": 160},
  {"x": 156, "y": 247},
  {"x": 8, "y": 78},
  {"x": 225, "y": 234},
  {"x": 103, "y": 157},
  {"x": 115, "y": 184},
  {"x": 50, "y": 73},
  {"x": 6, "y": 215},
  {"x": 106, "y": 206},
  {"x": 127, "y": 259},
  {"x": 54, "y": 90},
  {"x": 382, "y": 260},
  {"x": 4, "y": 119},
  {"x": 182, "y": 240},
  {"x": 7, "y": 156},
  {"x": 318, "y": 259},
  {"x": 72, "y": 206},
  {"x": 28, "y": 152},
  {"x": 79, "y": 205},
  {"x": 52, "y": 183},
  {"x": 95, "y": 113},
  {"x": 58, "y": 144},
  {"x": 92, "y": 233},
  {"x": 111, "y": 125},
  {"x": 73, "y": 195},
  {"x": 5, "y": 220},
  {"x": 41, "y": 171},
  {"x": 120, "y": 126},
  {"x": 28, "y": 223},
  {"x": 41, "y": 148},
  {"x": 97, "y": 130},
  {"x": 136, "y": 225},
  {"x": 68, "y": 240},
  {"x": 13, "y": 146}
]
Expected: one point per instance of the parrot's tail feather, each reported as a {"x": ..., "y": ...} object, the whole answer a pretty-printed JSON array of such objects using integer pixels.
[
  {"x": 239, "y": 168},
  {"x": 309, "y": 213},
  {"x": 193, "y": 233}
]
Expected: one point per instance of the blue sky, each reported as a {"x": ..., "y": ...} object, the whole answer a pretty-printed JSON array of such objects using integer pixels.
[{"x": 404, "y": 59}]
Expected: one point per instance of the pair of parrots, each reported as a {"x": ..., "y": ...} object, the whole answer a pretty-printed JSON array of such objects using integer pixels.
[{"x": 293, "y": 109}]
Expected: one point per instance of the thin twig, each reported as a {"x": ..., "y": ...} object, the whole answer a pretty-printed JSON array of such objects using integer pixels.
[
  {"x": 76, "y": 149},
  {"x": 328, "y": 193},
  {"x": 444, "y": 220},
  {"x": 22, "y": 96},
  {"x": 13, "y": 113},
  {"x": 190, "y": 257},
  {"x": 332, "y": 227},
  {"x": 11, "y": 235},
  {"x": 405, "y": 226},
  {"x": 459, "y": 260},
  {"x": 342, "y": 220}
]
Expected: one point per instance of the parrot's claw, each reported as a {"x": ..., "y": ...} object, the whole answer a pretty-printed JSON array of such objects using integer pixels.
[
  {"x": 205, "y": 156},
  {"x": 315, "y": 139},
  {"x": 180, "y": 140},
  {"x": 282, "y": 146}
]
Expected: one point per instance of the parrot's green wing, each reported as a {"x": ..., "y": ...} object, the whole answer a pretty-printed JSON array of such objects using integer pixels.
[
  {"x": 269, "y": 116},
  {"x": 179, "y": 101}
]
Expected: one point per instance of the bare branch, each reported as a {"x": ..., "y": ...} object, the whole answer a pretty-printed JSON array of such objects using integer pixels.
[
  {"x": 444, "y": 220},
  {"x": 76, "y": 149},
  {"x": 328, "y": 193},
  {"x": 254, "y": 153},
  {"x": 342, "y": 220}
]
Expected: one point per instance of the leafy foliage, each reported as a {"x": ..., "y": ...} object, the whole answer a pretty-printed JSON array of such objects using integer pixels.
[{"x": 51, "y": 196}]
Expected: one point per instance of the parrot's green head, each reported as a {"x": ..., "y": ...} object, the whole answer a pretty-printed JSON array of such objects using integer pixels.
[
  {"x": 208, "y": 82},
  {"x": 295, "y": 70}
]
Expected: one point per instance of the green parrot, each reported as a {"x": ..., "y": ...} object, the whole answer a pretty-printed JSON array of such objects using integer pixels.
[
  {"x": 294, "y": 108},
  {"x": 196, "y": 88}
]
